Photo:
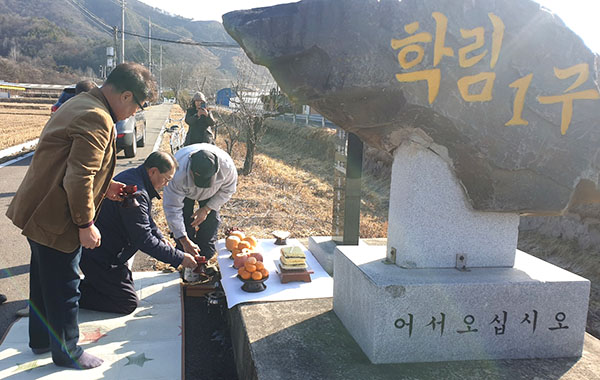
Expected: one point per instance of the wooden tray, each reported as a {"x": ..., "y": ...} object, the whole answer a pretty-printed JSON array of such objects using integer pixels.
[{"x": 287, "y": 275}]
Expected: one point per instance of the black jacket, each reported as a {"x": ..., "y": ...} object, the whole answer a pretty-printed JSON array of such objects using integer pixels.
[
  {"x": 198, "y": 131},
  {"x": 126, "y": 230}
]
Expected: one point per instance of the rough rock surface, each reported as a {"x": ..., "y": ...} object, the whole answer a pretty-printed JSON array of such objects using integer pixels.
[{"x": 499, "y": 113}]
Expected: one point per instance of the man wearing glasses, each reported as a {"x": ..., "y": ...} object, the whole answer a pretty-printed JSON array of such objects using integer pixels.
[
  {"x": 108, "y": 283},
  {"x": 57, "y": 203}
]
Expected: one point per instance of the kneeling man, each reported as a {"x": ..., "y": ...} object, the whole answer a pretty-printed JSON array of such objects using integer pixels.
[{"x": 108, "y": 283}]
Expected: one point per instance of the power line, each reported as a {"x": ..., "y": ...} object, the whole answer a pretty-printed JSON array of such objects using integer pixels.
[
  {"x": 109, "y": 30},
  {"x": 155, "y": 25},
  {"x": 193, "y": 43},
  {"x": 91, "y": 16}
]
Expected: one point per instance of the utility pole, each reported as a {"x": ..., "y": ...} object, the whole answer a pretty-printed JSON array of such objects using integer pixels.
[
  {"x": 116, "y": 44},
  {"x": 149, "y": 45},
  {"x": 122, "y": 31},
  {"x": 160, "y": 75}
]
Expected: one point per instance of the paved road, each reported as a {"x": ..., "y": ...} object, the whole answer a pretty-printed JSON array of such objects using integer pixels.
[{"x": 14, "y": 250}]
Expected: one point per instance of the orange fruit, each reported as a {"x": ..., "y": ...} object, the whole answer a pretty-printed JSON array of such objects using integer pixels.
[
  {"x": 252, "y": 260},
  {"x": 250, "y": 267},
  {"x": 244, "y": 245},
  {"x": 241, "y": 270},
  {"x": 264, "y": 272},
  {"x": 239, "y": 234},
  {"x": 245, "y": 274},
  {"x": 259, "y": 264},
  {"x": 252, "y": 240},
  {"x": 232, "y": 242},
  {"x": 257, "y": 276}
]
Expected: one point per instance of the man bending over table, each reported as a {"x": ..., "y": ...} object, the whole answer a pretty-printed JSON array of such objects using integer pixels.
[{"x": 206, "y": 175}]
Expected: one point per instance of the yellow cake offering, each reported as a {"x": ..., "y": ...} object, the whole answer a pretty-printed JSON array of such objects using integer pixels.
[
  {"x": 292, "y": 258},
  {"x": 293, "y": 252}
]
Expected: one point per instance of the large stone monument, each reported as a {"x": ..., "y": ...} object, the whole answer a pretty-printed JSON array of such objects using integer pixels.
[{"x": 490, "y": 109}]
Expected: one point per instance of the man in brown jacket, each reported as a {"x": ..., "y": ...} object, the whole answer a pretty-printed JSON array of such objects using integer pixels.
[{"x": 59, "y": 198}]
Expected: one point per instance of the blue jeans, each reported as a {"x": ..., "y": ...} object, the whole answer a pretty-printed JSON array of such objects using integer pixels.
[{"x": 54, "y": 302}]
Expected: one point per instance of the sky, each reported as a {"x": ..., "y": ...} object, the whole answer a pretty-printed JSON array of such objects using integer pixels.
[{"x": 582, "y": 16}]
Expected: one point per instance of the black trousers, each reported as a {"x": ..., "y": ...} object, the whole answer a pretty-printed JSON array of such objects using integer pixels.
[
  {"x": 53, "y": 301},
  {"x": 107, "y": 288},
  {"x": 206, "y": 236}
]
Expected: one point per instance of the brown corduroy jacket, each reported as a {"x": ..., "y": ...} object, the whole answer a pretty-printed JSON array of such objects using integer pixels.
[{"x": 70, "y": 172}]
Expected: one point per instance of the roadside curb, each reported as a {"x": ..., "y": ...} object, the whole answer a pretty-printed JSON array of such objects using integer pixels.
[
  {"x": 160, "y": 135},
  {"x": 19, "y": 152}
]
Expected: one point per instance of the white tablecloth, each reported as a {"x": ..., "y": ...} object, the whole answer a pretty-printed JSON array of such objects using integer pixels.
[{"x": 321, "y": 285}]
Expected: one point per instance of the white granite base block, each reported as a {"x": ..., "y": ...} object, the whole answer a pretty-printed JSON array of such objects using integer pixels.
[
  {"x": 398, "y": 315},
  {"x": 430, "y": 220}
]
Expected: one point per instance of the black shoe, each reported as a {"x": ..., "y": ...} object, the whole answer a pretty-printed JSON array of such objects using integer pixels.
[
  {"x": 39, "y": 351},
  {"x": 2, "y": 299}
]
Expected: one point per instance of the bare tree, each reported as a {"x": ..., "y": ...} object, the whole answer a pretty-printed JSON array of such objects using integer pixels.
[
  {"x": 232, "y": 124},
  {"x": 256, "y": 100},
  {"x": 177, "y": 76},
  {"x": 252, "y": 111}
]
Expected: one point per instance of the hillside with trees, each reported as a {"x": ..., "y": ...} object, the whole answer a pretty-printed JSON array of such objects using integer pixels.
[{"x": 60, "y": 41}]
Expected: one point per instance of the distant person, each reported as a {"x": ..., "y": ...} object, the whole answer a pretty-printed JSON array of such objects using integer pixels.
[
  {"x": 206, "y": 175},
  {"x": 81, "y": 86},
  {"x": 199, "y": 118},
  {"x": 84, "y": 86},
  {"x": 55, "y": 205},
  {"x": 108, "y": 283}
]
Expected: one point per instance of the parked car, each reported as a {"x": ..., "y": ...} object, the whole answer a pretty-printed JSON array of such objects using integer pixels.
[
  {"x": 131, "y": 133},
  {"x": 66, "y": 94}
]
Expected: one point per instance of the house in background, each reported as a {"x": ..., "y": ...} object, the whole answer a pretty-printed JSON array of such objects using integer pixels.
[{"x": 224, "y": 95}]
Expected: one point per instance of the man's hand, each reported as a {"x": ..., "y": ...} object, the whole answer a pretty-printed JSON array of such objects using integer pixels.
[
  {"x": 89, "y": 237},
  {"x": 202, "y": 112},
  {"x": 115, "y": 191},
  {"x": 200, "y": 216},
  {"x": 189, "y": 261},
  {"x": 189, "y": 246}
]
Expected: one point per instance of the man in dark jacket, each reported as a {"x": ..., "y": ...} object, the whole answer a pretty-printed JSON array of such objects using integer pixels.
[
  {"x": 199, "y": 118},
  {"x": 108, "y": 283}
]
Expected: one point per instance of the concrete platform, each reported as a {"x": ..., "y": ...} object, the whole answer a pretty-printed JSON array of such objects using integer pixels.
[
  {"x": 304, "y": 339},
  {"x": 398, "y": 315}
]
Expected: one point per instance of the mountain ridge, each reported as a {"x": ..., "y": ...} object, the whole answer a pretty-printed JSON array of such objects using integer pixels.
[{"x": 68, "y": 40}]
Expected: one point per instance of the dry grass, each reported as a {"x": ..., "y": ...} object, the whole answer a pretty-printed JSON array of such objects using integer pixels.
[
  {"x": 21, "y": 124},
  {"x": 287, "y": 190}
]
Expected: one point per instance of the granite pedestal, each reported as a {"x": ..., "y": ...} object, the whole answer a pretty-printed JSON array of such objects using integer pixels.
[
  {"x": 430, "y": 220},
  {"x": 399, "y": 315}
]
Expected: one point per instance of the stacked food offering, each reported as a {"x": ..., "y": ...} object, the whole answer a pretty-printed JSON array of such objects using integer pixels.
[
  {"x": 292, "y": 258},
  {"x": 292, "y": 265},
  {"x": 246, "y": 260}
]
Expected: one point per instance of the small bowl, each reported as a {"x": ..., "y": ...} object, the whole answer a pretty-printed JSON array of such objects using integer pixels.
[{"x": 253, "y": 286}]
